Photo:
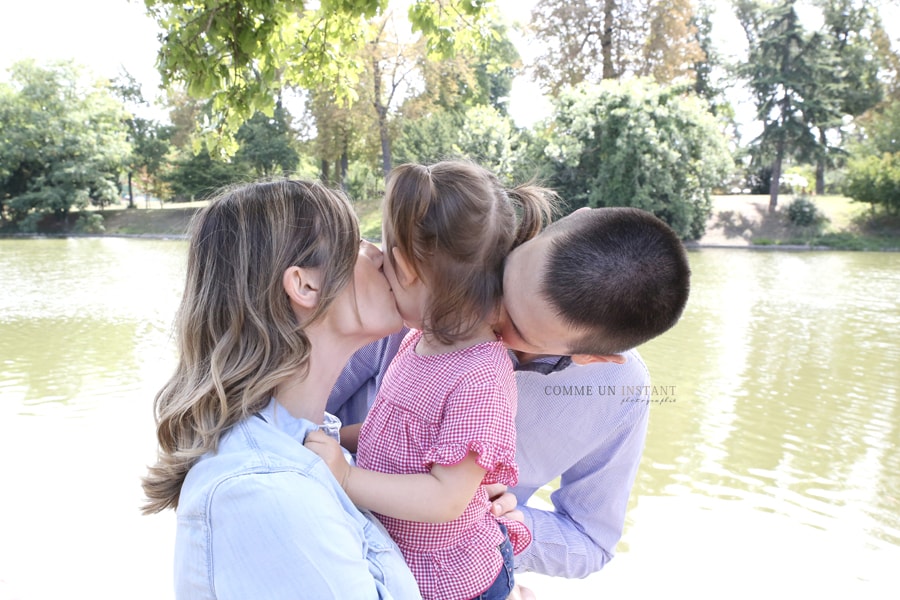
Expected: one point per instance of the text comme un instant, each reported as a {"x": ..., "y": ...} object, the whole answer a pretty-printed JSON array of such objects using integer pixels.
[{"x": 634, "y": 393}]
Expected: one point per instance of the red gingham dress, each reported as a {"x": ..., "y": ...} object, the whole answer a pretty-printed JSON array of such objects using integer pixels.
[{"x": 435, "y": 410}]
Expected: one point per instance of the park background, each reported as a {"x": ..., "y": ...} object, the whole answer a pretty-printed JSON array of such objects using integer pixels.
[{"x": 775, "y": 472}]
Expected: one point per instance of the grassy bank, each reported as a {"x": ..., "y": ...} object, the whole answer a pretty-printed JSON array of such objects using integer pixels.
[
  {"x": 747, "y": 221},
  {"x": 738, "y": 221}
]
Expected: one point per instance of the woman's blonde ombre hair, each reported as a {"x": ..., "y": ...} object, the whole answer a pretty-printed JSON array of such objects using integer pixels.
[{"x": 236, "y": 333}]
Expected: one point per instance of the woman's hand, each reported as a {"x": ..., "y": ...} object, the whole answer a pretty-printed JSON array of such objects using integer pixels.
[
  {"x": 330, "y": 451},
  {"x": 503, "y": 503}
]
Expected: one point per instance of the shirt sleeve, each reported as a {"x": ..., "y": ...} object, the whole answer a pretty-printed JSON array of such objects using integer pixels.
[
  {"x": 479, "y": 417},
  {"x": 279, "y": 535},
  {"x": 578, "y": 535}
]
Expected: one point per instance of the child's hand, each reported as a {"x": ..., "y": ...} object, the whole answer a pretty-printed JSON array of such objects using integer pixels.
[{"x": 330, "y": 451}]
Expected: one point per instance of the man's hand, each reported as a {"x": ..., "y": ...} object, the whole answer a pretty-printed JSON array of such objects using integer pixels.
[
  {"x": 330, "y": 451},
  {"x": 503, "y": 504}
]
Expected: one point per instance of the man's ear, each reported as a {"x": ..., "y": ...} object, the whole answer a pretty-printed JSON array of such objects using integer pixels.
[
  {"x": 302, "y": 285},
  {"x": 586, "y": 359},
  {"x": 406, "y": 275}
]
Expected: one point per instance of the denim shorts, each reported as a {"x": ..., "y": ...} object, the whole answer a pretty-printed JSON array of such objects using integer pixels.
[{"x": 503, "y": 585}]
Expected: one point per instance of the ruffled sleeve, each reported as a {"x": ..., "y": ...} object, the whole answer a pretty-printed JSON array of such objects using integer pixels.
[{"x": 479, "y": 416}]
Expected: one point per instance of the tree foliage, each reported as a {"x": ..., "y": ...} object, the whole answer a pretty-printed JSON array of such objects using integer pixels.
[
  {"x": 240, "y": 53},
  {"x": 875, "y": 179},
  {"x": 195, "y": 176},
  {"x": 150, "y": 142},
  {"x": 849, "y": 28},
  {"x": 586, "y": 40},
  {"x": 266, "y": 144},
  {"x": 62, "y": 142},
  {"x": 637, "y": 144},
  {"x": 805, "y": 82},
  {"x": 873, "y": 172},
  {"x": 480, "y": 133}
]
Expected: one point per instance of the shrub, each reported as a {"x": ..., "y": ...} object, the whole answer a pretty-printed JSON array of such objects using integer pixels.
[
  {"x": 89, "y": 223},
  {"x": 876, "y": 180},
  {"x": 638, "y": 144},
  {"x": 803, "y": 212}
]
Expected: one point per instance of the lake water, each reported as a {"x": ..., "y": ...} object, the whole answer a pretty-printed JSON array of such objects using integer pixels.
[{"x": 772, "y": 468}]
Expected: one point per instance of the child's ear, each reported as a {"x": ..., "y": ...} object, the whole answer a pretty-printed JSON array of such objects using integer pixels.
[
  {"x": 405, "y": 272},
  {"x": 302, "y": 285}
]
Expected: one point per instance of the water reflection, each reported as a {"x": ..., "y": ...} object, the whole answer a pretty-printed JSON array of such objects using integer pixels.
[
  {"x": 790, "y": 398},
  {"x": 81, "y": 317}
]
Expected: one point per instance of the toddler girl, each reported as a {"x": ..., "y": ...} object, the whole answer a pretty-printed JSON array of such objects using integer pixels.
[{"x": 442, "y": 425}]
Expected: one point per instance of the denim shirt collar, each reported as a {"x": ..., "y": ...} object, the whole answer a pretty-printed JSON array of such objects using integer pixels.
[{"x": 277, "y": 415}]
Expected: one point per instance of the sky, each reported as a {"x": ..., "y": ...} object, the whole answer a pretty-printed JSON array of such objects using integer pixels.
[
  {"x": 110, "y": 36},
  {"x": 104, "y": 35}
]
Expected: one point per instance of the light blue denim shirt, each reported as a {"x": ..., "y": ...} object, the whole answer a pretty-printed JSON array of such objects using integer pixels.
[{"x": 263, "y": 518}]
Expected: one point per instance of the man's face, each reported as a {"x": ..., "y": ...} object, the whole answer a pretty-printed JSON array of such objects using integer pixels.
[{"x": 528, "y": 323}]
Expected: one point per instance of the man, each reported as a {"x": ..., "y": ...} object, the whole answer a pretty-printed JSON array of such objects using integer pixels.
[{"x": 578, "y": 299}]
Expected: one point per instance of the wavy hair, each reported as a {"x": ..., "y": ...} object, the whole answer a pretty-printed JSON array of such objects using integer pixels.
[{"x": 236, "y": 333}]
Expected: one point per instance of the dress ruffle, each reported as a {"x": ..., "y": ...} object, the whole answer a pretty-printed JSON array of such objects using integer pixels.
[
  {"x": 499, "y": 461},
  {"x": 519, "y": 535}
]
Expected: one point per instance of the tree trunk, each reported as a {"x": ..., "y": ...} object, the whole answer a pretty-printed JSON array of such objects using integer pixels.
[
  {"x": 820, "y": 177},
  {"x": 130, "y": 192},
  {"x": 381, "y": 110},
  {"x": 775, "y": 183},
  {"x": 820, "y": 165},
  {"x": 385, "y": 144},
  {"x": 606, "y": 42},
  {"x": 324, "y": 168},
  {"x": 345, "y": 164}
]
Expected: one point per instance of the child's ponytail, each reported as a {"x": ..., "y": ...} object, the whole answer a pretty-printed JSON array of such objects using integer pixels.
[{"x": 535, "y": 207}]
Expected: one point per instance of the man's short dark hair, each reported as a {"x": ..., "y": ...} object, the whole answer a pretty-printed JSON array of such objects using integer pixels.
[{"x": 619, "y": 274}]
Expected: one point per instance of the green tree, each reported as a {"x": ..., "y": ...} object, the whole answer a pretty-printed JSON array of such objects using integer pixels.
[
  {"x": 849, "y": 31},
  {"x": 339, "y": 132},
  {"x": 710, "y": 69},
  {"x": 430, "y": 138},
  {"x": 873, "y": 171},
  {"x": 876, "y": 180},
  {"x": 62, "y": 142},
  {"x": 150, "y": 142},
  {"x": 240, "y": 53},
  {"x": 267, "y": 144},
  {"x": 480, "y": 133},
  {"x": 195, "y": 176},
  {"x": 405, "y": 83},
  {"x": 637, "y": 144},
  {"x": 789, "y": 72}
]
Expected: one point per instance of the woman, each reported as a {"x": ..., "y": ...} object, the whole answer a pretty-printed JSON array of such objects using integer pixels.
[{"x": 280, "y": 293}]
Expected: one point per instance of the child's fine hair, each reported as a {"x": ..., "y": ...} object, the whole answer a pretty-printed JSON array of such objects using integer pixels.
[{"x": 455, "y": 223}]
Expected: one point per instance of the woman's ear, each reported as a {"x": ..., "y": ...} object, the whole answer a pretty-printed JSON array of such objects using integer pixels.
[{"x": 302, "y": 285}]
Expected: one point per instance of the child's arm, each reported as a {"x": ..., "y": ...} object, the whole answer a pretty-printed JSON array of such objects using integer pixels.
[
  {"x": 350, "y": 437},
  {"x": 435, "y": 497}
]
